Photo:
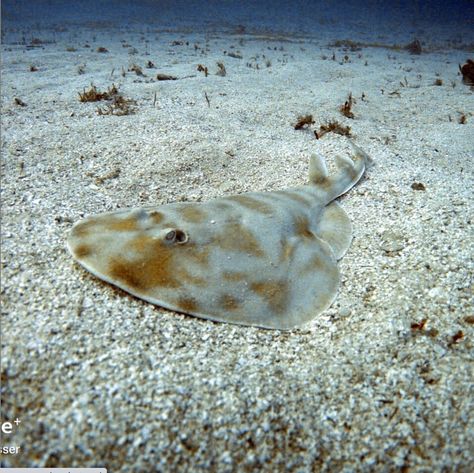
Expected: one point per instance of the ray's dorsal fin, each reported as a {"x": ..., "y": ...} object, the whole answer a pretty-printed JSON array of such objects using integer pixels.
[
  {"x": 349, "y": 171},
  {"x": 318, "y": 172}
]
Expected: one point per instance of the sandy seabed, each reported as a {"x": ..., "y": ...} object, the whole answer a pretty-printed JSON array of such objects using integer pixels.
[{"x": 382, "y": 381}]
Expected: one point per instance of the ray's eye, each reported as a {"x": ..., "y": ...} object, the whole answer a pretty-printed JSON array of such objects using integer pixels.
[
  {"x": 181, "y": 237},
  {"x": 176, "y": 236}
]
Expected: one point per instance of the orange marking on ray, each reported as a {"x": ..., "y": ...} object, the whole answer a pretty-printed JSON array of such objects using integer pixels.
[{"x": 274, "y": 292}]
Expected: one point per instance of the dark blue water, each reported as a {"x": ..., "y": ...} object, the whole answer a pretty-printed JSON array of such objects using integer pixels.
[{"x": 454, "y": 18}]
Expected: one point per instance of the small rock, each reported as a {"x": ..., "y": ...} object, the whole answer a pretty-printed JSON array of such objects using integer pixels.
[
  {"x": 391, "y": 242},
  {"x": 165, "y": 77},
  {"x": 344, "y": 311},
  {"x": 226, "y": 186},
  {"x": 414, "y": 47},
  {"x": 436, "y": 292},
  {"x": 418, "y": 186},
  {"x": 467, "y": 71}
]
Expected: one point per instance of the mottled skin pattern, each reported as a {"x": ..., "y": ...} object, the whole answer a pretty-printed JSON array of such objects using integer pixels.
[{"x": 266, "y": 259}]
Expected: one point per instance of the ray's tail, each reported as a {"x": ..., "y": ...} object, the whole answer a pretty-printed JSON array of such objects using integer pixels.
[{"x": 349, "y": 171}]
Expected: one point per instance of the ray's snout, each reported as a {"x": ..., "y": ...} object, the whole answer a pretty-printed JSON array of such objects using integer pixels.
[
  {"x": 94, "y": 237},
  {"x": 131, "y": 249}
]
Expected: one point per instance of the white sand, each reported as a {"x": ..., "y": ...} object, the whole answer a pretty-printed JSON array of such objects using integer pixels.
[{"x": 100, "y": 378}]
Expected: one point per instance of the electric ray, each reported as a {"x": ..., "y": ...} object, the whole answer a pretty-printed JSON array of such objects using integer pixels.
[{"x": 263, "y": 258}]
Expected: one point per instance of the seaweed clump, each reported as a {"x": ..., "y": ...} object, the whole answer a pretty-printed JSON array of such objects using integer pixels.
[
  {"x": 37, "y": 42},
  {"x": 221, "y": 71},
  {"x": 346, "y": 108},
  {"x": 346, "y": 44},
  {"x": 467, "y": 71},
  {"x": 332, "y": 127},
  {"x": 119, "y": 106},
  {"x": 304, "y": 121},
  {"x": 94, "y": 95},
  {"x": 137, "y": 69},
  {"x": 204, "y": 69},
  {"x": 414, "y": 47}
]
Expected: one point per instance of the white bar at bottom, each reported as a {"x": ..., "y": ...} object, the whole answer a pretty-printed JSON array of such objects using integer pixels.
[{"x": 53, "y": 470}]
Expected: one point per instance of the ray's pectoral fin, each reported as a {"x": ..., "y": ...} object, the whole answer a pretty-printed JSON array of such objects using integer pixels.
[
  {"x": 335, "y": 228},
  {"x": 313, "y": 277}
]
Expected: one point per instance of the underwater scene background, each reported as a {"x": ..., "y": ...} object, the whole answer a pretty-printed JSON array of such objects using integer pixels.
[{"x": 109, "y": 105}]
